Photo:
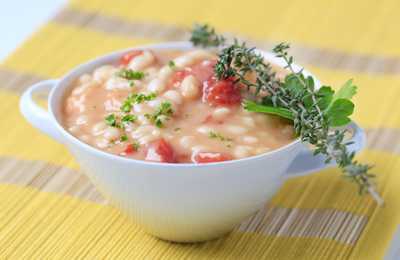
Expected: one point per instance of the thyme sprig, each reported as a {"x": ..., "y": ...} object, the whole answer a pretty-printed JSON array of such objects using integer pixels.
[{"x": 316, "y": 113}]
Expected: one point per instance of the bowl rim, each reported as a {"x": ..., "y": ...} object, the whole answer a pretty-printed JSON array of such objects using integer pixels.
[{"x": 180, "y": 45}]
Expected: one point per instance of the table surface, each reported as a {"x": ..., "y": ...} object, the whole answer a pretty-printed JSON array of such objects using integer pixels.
[{"x": 16, "y": 24}]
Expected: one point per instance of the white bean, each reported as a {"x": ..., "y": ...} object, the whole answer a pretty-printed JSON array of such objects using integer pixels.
[
  {"x": 143, "y": 120},
  {"x": 111, "y": 133},
  {"x": 73, "y": 129},
  {"x": 190, "y": 87},
  {"x": 141, "y": 61},
  {"x": 117, "y": 83},
  {"x": 192, "y": 57},
  {"x": 102, "y": 143},
  {"x": 81, "y": 120},
  {"x": 98, "y": 128},
  {"x": 85, "y": 78},
  {"x": 236, "y": 129},
  {"x": 151, "y": 73},
  {"x": 173, "y": 96},
  {"x": 156, "y": 85},
  {"x": 165, "y": 72},
  {"x": 141, "y": 108},
  {"x": 248, "y": 139},
  {"x": 204, "y": 129},
  {"x": 242, "y": 151},
  {"x": 79, "y": 90},
  {"x": 84, "y": 138},
  {"x": 103, "y": 73},
  {"x": 220, "y": 113},
  {"x": 142, "y": 131}
]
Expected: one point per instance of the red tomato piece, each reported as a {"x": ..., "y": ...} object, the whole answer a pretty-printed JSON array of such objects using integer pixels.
[
  {"x": 221, "y": 92},
  {"x": 160, "y": 151},
  {"x": 209, "y": 157},
  {"x": 130, "y": 148},
  {"x": 127, "y": 57}
]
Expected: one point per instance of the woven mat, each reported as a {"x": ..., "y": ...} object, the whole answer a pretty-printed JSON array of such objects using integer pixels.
[{"x": 48, "y": 209}]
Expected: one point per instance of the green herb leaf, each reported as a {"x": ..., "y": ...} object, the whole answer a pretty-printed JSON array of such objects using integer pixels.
[
  {"x": 205, "y": 36},
  {"x": 278, "y": 111},
  {"x": 339, "y": 112},
  {"x": 163, "y": 113},
  {"x": 111, "y": 120},
  {"x": 124, "y": 138},
  {"x": 136, "y": 99},
  {"x": 171, "y": 64},
  {"x": 130, "y": 74},
  {"x": 128, "y": 118}
]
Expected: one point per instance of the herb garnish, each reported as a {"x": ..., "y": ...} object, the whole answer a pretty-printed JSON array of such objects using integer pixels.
[
  {"x": 162, "y": 114},
  {"x": 128, "y": 118},
  {"x": 205, "y": 36},
  {"x": 136, "y": 99},
  {"x": 130, "y": 74},
  {"x": 135, "y": 145},
  {"x": 111, "y": 120},
  {"x": 220, "y": 137},
  {"x": 315, "y": 112},
  {"x": 171, "y": 64},
  {"x": 124, "y": 138}
]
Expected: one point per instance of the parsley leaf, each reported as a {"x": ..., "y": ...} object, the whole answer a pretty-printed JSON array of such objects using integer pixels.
[
  {"x": 136, "y": 99},
  {"x": 163, "y": 112},
  {"x": 205, "y": 36},
  {"x": 111, "y": 120},
  {"x": 339, "y": 112},
  {"x": 171, "y": 64},
  {"x": 128, "y": 118},
  {"x": 130, "y": 74}
]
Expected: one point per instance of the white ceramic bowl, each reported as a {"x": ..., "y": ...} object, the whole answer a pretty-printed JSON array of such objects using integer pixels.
[{"x": 177, "y": 202}]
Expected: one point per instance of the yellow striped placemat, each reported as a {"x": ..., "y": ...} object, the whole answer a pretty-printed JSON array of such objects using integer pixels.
[{"x": 49, "y": 209}]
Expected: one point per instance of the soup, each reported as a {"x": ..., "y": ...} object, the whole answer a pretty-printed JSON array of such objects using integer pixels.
[{"x": 168, "y": 106}]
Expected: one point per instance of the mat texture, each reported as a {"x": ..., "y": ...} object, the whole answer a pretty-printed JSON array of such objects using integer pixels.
[{"x": 49, "y": 209}]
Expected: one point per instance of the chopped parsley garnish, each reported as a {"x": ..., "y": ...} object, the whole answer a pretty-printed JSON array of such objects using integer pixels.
[
  {"x": 124, "y": 138},
  {"x": 128, "y": 118},
  {"x": 171, "y": 64},
  {"x": 130, "y": 74},
  {"x": 220, "y": 137},
  {"x": 177, "y": 129},
  {"x": 163, "y": 112},
  {"x": 136, "y": 99},
  {"x": 111, "y": 120}
]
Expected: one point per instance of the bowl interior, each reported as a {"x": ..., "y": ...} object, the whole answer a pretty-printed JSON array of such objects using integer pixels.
[{"x": 57, "y": 94}]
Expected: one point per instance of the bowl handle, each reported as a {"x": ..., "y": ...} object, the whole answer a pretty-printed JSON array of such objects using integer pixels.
[
  {"x": 306, "y": 162},
  {"x": 34, "y": 114}
]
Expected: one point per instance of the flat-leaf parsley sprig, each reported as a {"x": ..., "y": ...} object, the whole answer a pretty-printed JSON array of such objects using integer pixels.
[{"x": 318, "y": 115}]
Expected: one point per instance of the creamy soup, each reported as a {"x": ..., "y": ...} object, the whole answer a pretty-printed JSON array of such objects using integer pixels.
[{"x": 167, "y": 106}]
